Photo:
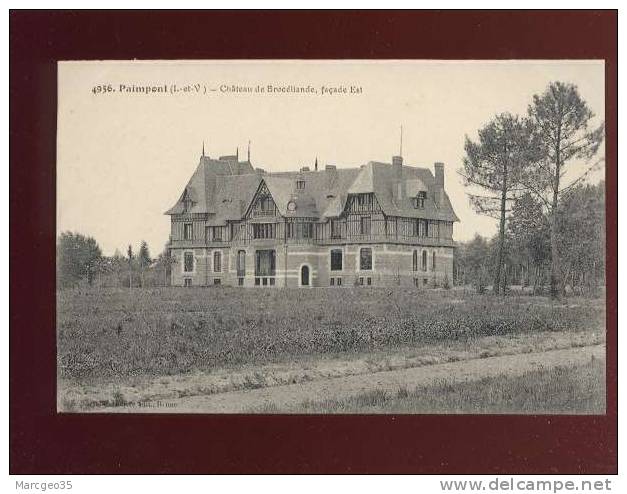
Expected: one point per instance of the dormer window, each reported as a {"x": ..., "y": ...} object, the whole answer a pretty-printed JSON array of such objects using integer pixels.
[
  {"x": 300, "y": 184},
  {"x": 187, "y": 202},
  {"x": 419, "y": 200}
]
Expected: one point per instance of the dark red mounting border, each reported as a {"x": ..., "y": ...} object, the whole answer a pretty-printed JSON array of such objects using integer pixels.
[{"x": 43, "y": 442}]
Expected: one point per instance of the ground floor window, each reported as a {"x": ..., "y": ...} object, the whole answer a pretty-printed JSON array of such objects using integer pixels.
[
  {"x": 304, "y": 275},
  {"x": 217, "y": 281},
  {"x": 336, "y": 260},
  {"x": 217, "y": 261},
  {"x": 365, "y": 259},
  {"x": 265, "y": 267},
  {"x": 415, "y": 261},
  {"x": 424, "y": 260},
  {"x": 241, "y": 263},
  {"x": 433, "y": 264},
  {"x": 335, "y": 282},
  {"x": 369, "y": 281},
  {"x": 188, "y": 262},
  {"x": 240, "y": 281},
  {"x": 188, "y": 282},
  {"x": 265, "y": 262}
]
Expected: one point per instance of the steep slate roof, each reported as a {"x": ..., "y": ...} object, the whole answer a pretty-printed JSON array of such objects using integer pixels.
[
  {"x": 225, "y": 188},
  {"x": 201, "y": 186}
]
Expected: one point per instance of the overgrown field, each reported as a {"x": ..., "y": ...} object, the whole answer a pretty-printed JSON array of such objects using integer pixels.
[
  {"x": 570, "y": 390},
  {"x": 120, "y": 332}
]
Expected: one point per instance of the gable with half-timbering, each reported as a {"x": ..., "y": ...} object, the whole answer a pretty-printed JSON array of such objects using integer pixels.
[{"x": 262, "y": 204}]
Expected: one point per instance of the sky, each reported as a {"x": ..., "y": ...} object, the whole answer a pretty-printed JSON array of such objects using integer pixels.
[{"x": 124, "y": 157}]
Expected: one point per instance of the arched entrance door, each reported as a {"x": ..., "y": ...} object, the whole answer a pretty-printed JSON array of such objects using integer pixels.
[{"x": 304, "y": 276}]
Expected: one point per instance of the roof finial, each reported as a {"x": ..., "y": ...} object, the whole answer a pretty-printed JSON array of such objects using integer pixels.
[
  {"x": 237, "y": 153},
  {"x": 203, "y": 148},
  {"x": 401, "y": 151},
  {"x": 249, "y": 150},
  {"x": 316, "y": 164}
]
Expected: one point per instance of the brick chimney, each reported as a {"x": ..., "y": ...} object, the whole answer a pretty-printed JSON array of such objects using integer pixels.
[
  {"x": 438, "y": 182},
  {"x": 399, "y": 184},
  {"x": 397, "y": 164}
]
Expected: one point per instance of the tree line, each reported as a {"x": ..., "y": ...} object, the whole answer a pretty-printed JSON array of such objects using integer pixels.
[
  {"x": 519, "y": 168},
  {"x": 80, "y": 261},
  {"x": 526, "y": 257}
]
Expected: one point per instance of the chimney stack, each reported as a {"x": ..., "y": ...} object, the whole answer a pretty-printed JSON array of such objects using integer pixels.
[
  {"x": 397, "y": 164},
  {"x": 399, "y": 185},
  {"x": 439, "y": 183},
  {"x": 439, "y": 173}
]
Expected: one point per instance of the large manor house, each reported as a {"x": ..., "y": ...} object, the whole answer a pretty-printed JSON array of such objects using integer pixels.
[{"x": 380, "y": 224}]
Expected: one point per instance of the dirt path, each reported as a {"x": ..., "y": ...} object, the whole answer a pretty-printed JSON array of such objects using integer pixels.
[{"x": 290, "y": 396}]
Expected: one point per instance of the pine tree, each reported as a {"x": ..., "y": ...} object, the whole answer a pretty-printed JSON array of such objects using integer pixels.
[
  {"x": 562, "y": 120},
  {"x": 144, "y": 259},
  {"x": 495, "y": 164},
  {"x": 129, "y": 253}
]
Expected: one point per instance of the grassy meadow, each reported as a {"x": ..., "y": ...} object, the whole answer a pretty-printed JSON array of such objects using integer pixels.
[
  {"x": 121, "y": 333},
  {"x": 571, "y": 390}
]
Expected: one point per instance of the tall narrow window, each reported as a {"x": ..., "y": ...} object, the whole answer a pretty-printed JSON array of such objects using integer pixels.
[
  {"x": 300, "y": 184},
  {"x": 423, "y": 228},
  {"x": 364, "y": 226},
  {"x": 433, "y": 262},
  {"x": 241, "y": 263},
  {"x": 188, "y": 262},
  {"x": 365, "y": 259},
  {"x": 415, "y": 261},
  {"x": 424, "y": 260},
  {"x": 217, "y": 261},
  {"x": 188, "y": 232},
  {"x": 336, "y": 260},
  {"x": 308, "y": 230}
]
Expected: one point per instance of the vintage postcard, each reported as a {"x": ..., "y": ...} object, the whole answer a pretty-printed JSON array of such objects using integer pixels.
[{"x": 327, "y": 237}]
